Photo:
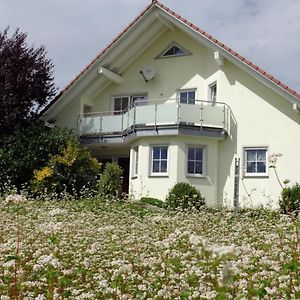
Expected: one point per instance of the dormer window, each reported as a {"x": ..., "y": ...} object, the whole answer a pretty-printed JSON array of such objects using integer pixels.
[{"x": 174, "y": 50}]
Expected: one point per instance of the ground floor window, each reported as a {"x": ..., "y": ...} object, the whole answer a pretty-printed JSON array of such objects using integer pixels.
[
  {"x": 159, "y": 159},
  {"x": 255, "y": 161},
  {"x": 135, "y": 166},
  {"x": 195, "y": 160}
]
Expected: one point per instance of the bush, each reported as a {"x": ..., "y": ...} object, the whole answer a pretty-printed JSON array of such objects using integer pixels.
[
  {"x": 153, "y": 201},
  {"x": 110, "y": 181},
  {"x": 184, "y": 195},
  {"x": 27, "y": 149},
  {"x": 290, "y": 199},
  {"x": 71, "y": 171}
]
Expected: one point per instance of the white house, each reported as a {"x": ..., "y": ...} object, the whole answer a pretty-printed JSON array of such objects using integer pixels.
[{"x": 170, "y": 103}]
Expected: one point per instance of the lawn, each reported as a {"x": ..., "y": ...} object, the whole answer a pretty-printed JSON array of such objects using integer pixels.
[{"x": 93, "y": 249}]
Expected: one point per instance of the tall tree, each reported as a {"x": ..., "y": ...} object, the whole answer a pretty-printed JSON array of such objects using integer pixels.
[{"x": 26, "y": 81}]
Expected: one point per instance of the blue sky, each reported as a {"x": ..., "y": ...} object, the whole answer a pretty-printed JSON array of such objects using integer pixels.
[{"x": 73, "y": 31}]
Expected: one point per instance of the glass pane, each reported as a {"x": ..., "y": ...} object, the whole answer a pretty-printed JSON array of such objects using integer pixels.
[
  {"x": 190, "y": 167},
  {"x": 192, "y": 95},
  {"x": 251, "y": 155},
  {"x": 163, "y": 166},
  {"x": 164, "y": 152},
  {"x": 191, "y": 153},
  {"x": 183, "y": 96},
  {"x": 261, "y": 167},
  {"x": 156, "y": 152},
  {"x": 198, "y": 168},
  {"x": 118, "y": 104},
  {"x": 199, "y": 153},
  {"x": 155, "y": 166},
  {"x": 124, "y": 103},
  {"x": 261, "y": 155},
  {"x": 251, "y": 167}
]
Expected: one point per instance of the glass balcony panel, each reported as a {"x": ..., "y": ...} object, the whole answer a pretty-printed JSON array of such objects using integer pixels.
[
  {"x": 111, "y": 123},
  {"x": 145, "y": 115},
  {"x": 190, "y": 113},
  {"x": 90, "y": 125},
  {"x": 213, "y": 116},
  {"x": 166, "y": 114},
  {"x": 128, "y": 119}
]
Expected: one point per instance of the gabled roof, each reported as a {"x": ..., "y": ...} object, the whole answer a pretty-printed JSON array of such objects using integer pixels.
[{"x": 227, "y": 52}]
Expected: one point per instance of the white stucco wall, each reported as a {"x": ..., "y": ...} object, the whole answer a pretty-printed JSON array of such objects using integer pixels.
[
  {"x": 261, "y": 118},
  {"x": 145, "y": 184}
]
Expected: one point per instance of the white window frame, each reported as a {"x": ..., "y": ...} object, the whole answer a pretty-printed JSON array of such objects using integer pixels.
[
  {"x": 187, "y": 91},
  {"x": 255, "y": 174},
  {"x": 118, "y": 97},
  {"x": 135, "y": 161},
  {"x": 213, "y": 101},
  {"x": 161, "y": 174},
  {"x": 204, "y": 161},
  {"x": 163, "y": 53},
  {"x": 130, "y": 97}
]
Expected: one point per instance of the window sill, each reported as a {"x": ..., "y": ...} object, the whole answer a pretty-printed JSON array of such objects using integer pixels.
[
  {"x": 158, "y": 175},
  {"x": 197, "y": 176},
  {"x": 256, "y": 176}
]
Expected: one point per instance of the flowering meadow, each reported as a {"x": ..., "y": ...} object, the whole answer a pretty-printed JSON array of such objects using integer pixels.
[{"x": 94, "y": 249}]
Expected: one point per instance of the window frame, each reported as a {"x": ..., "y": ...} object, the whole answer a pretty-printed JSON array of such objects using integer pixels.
[
  {"x": 245, "y": 161},
  {"x": 210, "y": 99},
  {"x": 135, "y": 161},
  {"x": 173, "y": 44},
  {"x": 204, "y": 161},
  {"x": 193, "y": 101},
  {"x": 159, "y": 174}
]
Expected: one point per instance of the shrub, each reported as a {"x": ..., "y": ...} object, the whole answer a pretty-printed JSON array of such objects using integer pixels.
[
  {"x": 184, "y": 195},
  {"x": 27, "y": 149},
  {"x": 153, "y": 201},
  {"x": 70, "y": 171},
  {"x": 110, "y": 180},
  {"x": 290, "y": 199}
]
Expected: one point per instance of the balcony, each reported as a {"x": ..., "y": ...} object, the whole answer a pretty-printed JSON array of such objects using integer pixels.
[{"x": 157, "y": 117}]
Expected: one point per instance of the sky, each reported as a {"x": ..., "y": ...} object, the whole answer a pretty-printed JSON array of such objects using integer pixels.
[{"x": 266, "y": 32}]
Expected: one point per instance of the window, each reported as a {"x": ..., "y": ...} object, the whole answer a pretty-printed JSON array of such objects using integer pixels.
[
  {"x": 120, "y": 104},
  {"x": 87, "y": 109},
  {"x": 174, "y": 50},
  {"x": 139, "y": 100},
  {"x": 135, "y": 161},
  {"x": 187, "y": 96},
  {"x": 212, "y": 92},
  {"x": 159, "y": 160},
  {"x": 255, "y": 160},
  {"x": 195, "y": 160}
]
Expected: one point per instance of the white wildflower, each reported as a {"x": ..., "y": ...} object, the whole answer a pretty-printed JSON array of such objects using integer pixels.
[{"x": 16, "y": 198}]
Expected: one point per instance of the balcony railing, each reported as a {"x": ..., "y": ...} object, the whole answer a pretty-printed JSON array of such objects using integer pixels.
[{"x": 156, "y": 114}]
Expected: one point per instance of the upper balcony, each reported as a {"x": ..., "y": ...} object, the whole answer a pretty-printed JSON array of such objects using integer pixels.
[{"x": 157, "y": 117}]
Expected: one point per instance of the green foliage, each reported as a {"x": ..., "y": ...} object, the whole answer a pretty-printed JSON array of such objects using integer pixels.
[
  {"x": 184, "y": 195},
  {"x": 290, "y": 199},
  {"x": 153, "y": 201},
  {"x": 110, "y": 180},
  {"x": 70, "y": 171},
  {"x": 27, "y": 149},
  {"x": 26, "y": 81}
]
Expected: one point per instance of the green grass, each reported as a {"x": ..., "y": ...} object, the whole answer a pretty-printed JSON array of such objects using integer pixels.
[{"x": 116, "y": 250}]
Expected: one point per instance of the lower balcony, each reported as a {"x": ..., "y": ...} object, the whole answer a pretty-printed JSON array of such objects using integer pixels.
[{"x": 156, "y": 117}]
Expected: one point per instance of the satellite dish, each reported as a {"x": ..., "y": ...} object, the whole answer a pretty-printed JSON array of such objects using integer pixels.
[{"x": 148, "y": 73}]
